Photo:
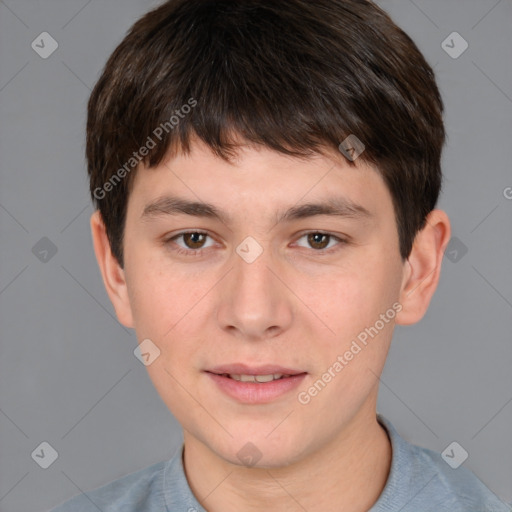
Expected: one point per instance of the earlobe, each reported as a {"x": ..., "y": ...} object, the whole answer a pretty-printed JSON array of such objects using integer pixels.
[
  {"x": 112, "y": 273},
  {"x": 423, "y": 268}
]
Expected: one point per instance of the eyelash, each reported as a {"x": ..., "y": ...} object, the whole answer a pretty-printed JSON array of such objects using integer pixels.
[{"x": 194, "y": 252}]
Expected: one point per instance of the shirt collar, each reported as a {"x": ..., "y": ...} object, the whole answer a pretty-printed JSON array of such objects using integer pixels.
[{"x": 179, "y": 496}]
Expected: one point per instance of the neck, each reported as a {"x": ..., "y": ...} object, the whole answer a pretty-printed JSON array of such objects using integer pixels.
[{"x": 347, "y": 475}]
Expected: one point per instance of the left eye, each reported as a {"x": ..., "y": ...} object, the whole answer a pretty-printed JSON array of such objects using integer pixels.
[{"x": 320, "y": 241}]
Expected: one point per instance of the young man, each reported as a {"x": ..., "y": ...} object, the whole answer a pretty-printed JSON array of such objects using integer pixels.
[{"x": 266, "y": 174}]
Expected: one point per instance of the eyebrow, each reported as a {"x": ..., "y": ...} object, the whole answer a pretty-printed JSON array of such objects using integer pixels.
[{"x": 333, "y": 206}]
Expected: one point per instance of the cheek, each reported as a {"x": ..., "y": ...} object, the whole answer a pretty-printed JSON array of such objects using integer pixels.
[
  {"x": 152, "y": 304},
  {"x": 355, "y": 306},
  {"x": 170, "y": 308},
  {"x": 165, "y": 308},
  {"x": 359, "y": 309},
  {"x": 160, "y": 295},
  {"x": 346, "y": 301}
]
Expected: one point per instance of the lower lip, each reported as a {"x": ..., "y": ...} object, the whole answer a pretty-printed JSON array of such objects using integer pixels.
[{"x": 256, "y": 392}]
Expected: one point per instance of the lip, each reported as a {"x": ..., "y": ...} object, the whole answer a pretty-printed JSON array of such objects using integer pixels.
[
  {"x": 255, "y": 392},
  {"x": 240, "y": 368}
]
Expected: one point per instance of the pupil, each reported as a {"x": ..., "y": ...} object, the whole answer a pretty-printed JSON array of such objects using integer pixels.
[
  {"x": 193, "y": 236},
  {"x": 317, "y": 237}
]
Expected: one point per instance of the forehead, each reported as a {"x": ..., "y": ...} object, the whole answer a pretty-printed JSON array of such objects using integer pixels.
[{"x": 262, "y": 179}]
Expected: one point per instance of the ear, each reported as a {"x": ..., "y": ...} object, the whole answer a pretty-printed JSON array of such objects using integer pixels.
[
  {"x": 423, "y": 268},
  {"x": 112, "y": 273}
]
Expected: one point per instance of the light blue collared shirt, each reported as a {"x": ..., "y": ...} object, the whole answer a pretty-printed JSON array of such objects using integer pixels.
[{"x": 419, "y": 481}]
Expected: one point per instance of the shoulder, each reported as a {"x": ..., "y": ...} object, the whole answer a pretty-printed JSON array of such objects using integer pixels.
[
  {"x": 425, "y": 482},
  {"x": 141, "y": 490},
  {"x": 454, "y": 490}
]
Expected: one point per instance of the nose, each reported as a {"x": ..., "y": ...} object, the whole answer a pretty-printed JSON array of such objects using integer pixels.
[{"x": 255, "y": 303}]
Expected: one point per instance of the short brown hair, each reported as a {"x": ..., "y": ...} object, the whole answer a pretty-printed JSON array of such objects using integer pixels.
[{"x": 293, "y": 75}]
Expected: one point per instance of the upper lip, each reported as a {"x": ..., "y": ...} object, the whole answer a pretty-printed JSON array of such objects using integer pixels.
[{"x": 244, "y": 369}]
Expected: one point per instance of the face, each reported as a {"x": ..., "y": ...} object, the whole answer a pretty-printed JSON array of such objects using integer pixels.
[{"x": 258, "y": 284}]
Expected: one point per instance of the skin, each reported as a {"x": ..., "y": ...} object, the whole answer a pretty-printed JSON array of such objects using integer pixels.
[{"x": 292, "y": 306}]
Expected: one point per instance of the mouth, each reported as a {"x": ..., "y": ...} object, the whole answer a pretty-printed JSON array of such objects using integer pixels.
[
  {"x": 254, "y": 378},
  {"x": 263, "y": 373},
  {"x": 255, "y": 385}
]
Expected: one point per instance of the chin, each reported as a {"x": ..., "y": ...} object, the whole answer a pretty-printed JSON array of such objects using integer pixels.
[{"x": 259, "y": 451}]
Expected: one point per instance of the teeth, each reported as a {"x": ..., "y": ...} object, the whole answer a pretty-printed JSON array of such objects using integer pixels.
[
  {"x": 264, "y": 378},
  {"x": 257, "y": 378}
]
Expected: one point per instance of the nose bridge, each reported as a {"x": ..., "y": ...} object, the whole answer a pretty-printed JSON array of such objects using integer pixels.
[
  {"x": 253, "y": 278},
  {"x": 256, "y": 302}
]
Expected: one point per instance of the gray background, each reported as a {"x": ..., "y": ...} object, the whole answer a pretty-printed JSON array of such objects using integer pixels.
[{"x": 68, "y": 375}]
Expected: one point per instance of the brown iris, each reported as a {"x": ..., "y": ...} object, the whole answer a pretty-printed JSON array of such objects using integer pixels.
[
  {"x": 194, "y": 237},
  {"x": 315, "y": 238}
]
